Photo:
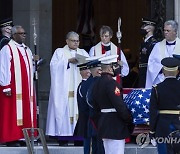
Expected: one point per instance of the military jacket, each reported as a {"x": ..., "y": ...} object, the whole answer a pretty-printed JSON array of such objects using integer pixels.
[
  {"x": 145, "y": 50},
  {"x": 3, "y": 41},
  {"x": 165, "y": 96},
  {"x": 82, "y": 125},
  {"x": 106, "y": 94}
]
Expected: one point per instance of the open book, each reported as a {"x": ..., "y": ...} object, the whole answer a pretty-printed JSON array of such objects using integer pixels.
[{"x": 81, "y": 58}]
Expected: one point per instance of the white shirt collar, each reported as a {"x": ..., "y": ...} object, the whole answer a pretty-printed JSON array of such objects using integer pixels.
[
  {"x": 108, "y": 44},
  {"x": 171, "y": 41},
  {"x": 20, "y": 45}
]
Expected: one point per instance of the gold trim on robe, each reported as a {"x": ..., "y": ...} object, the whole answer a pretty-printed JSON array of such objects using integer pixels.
[{"x": 71, "y": 94}]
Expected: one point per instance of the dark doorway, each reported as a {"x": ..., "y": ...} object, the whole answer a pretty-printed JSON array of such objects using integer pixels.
[{"x": 66, "y": 16}]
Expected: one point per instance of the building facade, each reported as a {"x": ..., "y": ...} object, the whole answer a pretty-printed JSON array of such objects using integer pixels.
[{"x": 55, "y": 18}]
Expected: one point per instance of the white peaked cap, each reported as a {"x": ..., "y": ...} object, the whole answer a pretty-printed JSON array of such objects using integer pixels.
[
  {"x": 95, "y": 57},
  {"x": 109, "y": 59}
]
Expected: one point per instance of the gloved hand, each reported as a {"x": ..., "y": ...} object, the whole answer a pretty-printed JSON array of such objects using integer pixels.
[
  {"x": 151, "y": 135},
  {"x": 152, "y": 138}
]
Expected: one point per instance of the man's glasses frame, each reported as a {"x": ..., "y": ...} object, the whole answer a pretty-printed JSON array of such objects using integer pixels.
[{"x": 22, "y": 33}]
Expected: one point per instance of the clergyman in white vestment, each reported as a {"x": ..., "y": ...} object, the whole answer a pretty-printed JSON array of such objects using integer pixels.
[
  {"x": 108, "y": 48},
  {"x": 166, "y": 48},
  {"x": 65, "y": 77}
]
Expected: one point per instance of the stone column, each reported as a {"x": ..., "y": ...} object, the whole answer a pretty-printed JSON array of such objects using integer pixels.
[
  {"x": 24, "y": 12},
  {"x": 177, "y": 13}
]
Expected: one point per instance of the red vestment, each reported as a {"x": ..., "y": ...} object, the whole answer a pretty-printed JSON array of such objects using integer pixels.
[{"x": 9, "y": 130}]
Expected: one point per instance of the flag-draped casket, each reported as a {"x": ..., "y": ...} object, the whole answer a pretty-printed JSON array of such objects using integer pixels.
[{"x": 138, "y": 101}]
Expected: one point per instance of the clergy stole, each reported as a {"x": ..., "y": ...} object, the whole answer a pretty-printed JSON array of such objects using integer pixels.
[
  {"x": 162, "y": 45},
  {"x": 18, "y": 82},
  {"x": 74, "y": 80},
  {"x": 99, "y": 50}
]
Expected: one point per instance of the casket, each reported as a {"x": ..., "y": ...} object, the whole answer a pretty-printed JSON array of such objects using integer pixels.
[{"x": 137, "y": 100}]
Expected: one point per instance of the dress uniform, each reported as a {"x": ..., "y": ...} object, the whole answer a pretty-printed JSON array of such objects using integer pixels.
[
  {"x": 111, "y": 112},
  {"x": 177, "y": 57},
  {"x": 81, "y": 126},
  {"x": 145, "y": 50},
  {"x": 4, "y": 39},
  {"x": 164, "y": 106},
  {"x": 95, "y": 67},
  {"x": 84, "y": 126}
]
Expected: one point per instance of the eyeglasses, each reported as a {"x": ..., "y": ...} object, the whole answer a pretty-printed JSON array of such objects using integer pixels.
[
  {"x": 23, "y": 33},
  {"x": 74, "y": 41}
]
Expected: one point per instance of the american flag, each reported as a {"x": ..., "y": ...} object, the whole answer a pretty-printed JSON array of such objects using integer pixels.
[{"x": 138, "y": 101}]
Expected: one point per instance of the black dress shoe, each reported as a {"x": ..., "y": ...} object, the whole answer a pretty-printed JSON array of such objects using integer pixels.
[{"x": 13, "y": 144}]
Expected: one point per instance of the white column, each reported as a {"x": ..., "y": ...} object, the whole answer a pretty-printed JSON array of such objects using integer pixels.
[{"x": 177, "y": 13}]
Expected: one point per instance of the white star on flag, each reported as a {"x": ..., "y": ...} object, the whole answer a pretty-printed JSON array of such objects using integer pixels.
[
  {"x": 137, "y": 101},
  {"x": 140, "y": 96},
  {"x": 133, "y": 110},
  {"x": 143, "y": 90},
  {"x": 140, "y": 115},
  {"x": 147, "y": 100},
  {"x": 146, "y": 110},
  {"x": 146, "y": 119}
]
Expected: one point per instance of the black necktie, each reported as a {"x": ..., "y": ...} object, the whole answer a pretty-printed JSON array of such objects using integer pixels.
[{"x": 167, "y": 43}]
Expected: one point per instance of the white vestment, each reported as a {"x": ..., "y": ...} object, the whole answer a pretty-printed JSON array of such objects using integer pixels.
[
  {"x": 97, "y": 50},
  {"x": 160, "y": 51},
  {"x": 65, "y": 77}
]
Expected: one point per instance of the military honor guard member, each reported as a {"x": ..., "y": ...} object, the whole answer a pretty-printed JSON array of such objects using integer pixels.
[
  {"x": 84, "y": 126},
  {"x": 95, "y": 68},
  {"x": 5, "y": 36},
  {"x": 112, "y": 113},
  {"x": 147, "y": 31},
  {"x": 81, "y": 127},
  {"x": 165, "y": 107}
]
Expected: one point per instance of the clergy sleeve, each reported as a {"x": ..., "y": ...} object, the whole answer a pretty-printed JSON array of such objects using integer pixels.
[
  {"x": 125, "y": 67},
  {"x": 5, "y": 65},
  {"x": 91, "y": 52}
]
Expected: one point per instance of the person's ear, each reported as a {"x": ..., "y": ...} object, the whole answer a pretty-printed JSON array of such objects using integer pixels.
[{"x": 67, "y": 41}]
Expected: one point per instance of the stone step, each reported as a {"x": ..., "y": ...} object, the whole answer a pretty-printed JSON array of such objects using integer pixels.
[{"x": 55, "y": 149}]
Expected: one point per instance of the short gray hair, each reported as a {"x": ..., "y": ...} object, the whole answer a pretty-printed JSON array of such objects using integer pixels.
[
  {"x": 14, "y": 29},
  {"x": 71, "y": 34},
  {"x": 173, "y": 23}
]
